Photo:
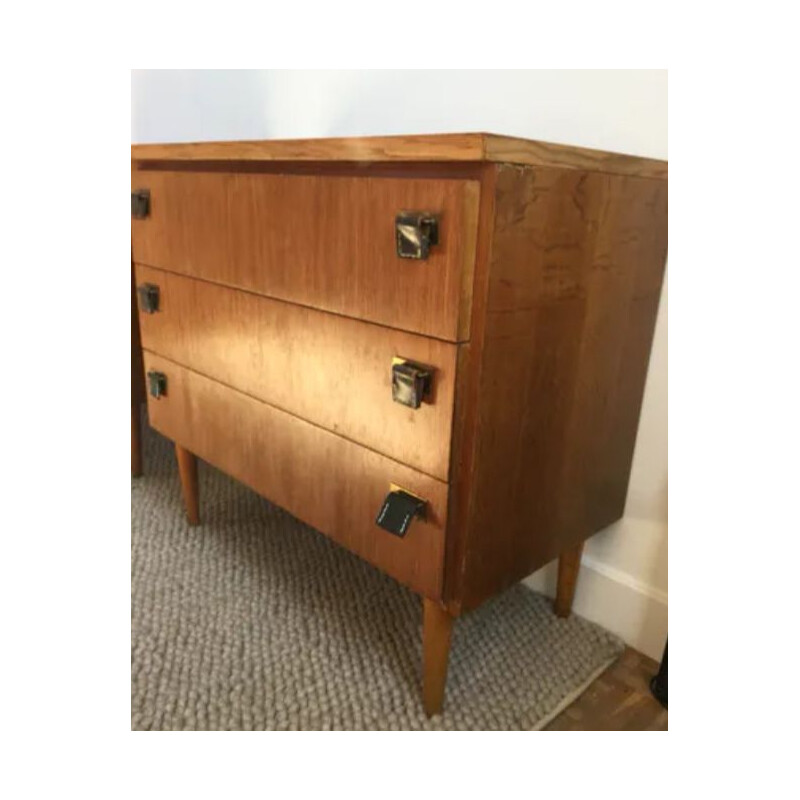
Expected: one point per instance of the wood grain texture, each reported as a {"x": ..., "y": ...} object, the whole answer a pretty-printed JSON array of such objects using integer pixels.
[
  {"x": 437, "y": 626},
  {"x": 569, "y": 565},
  {"x": 328, "y": 482},
  {"x": 187, "y": 470},
  {"x": 467, "y": 402},
  {"x": 320, "y": 241},
  {"x": 329, "y": 370},
  {"x": 575, "y": 273},
  {"x": 619, "y": 700},
  {"x": 436, "y": 147},
  {"x": 508, "y": 149}
]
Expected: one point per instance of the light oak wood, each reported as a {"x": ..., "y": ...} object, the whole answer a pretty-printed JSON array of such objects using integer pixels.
[
  {"x": 319, "y": 241},
  {"x": 332, "y": 484},
  {"x": 464, "y": 147},
  {"x": 437, "y": 626},
  {"x": 187, "y": 469},
  {"x": 329, "y": 370},
  {"x": 557, "y": 367},
  {"x": 569, "y": 564}
]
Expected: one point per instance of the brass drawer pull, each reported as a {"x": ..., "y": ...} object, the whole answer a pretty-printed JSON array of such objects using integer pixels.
[
  {"x": 140, "y": 203},
  {"x": 415, "y": 232},
  {"x": 149, "y": 296},
  {"x": 157, "y": 384},
  {"x": 411, "y": 382}
]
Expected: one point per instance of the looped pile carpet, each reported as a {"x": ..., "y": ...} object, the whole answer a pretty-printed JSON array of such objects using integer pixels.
[{"x": 254, "y": 621}]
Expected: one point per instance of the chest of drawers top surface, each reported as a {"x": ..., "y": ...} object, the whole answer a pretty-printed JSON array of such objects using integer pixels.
[{"x": 440, "y": 147}]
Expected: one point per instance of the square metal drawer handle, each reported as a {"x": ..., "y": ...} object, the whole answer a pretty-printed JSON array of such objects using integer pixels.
[
  {"x": 411, "y": 382},
  {"x": 149, "y": 296},
  {"x": 415, "y": 232},
  {"x": 157, "y": 383},
  {"x": 398, "y": 510},
  {"x": 140, "y": 203}
]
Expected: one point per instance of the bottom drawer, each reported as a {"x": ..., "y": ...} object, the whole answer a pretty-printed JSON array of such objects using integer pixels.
[{"x": 330, "y": 483}]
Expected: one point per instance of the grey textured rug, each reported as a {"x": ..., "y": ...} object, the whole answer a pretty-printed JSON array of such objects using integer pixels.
[{"x": 253, "y": 621}]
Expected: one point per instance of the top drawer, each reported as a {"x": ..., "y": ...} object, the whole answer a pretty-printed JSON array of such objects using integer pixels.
[{"x": 321, "y": 241}]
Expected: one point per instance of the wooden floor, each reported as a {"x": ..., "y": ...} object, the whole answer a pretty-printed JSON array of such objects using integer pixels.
[{"x": 619, "y": 700}]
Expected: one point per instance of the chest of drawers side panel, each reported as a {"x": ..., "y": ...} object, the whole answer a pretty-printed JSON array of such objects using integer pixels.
[
  {"x": 332, "y": 484},
  {"x": 574, "y": 279},
  {"x": 324, "y": 241},
  {"x": 327, "y": 369},
  {"x": 467, "y": 400}
]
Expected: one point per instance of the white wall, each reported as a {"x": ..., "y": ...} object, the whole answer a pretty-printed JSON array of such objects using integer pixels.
[{"x": 623, "y": 582}]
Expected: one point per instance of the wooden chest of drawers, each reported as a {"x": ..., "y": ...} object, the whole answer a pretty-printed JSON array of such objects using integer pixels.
[{"x": 431, "y": 349}]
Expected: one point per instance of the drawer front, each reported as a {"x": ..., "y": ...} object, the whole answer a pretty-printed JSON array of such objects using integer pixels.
[
  {"x": 330, "y": 370},
  {"x": 330, "y": 483},
  {"x": 321, "y": 241}
]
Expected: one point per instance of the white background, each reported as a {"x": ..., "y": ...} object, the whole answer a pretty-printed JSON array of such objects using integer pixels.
[{"x": 623, "y": 582}]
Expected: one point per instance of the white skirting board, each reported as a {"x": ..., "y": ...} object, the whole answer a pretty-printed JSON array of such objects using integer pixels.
[{"x": 634, "y": 609}]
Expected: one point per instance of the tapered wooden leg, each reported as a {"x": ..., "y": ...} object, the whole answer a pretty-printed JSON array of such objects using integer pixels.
[
  {"x": 569, "y": 563},
  {"x": 187, "y": 468},
  {"x": 136, "y": 441},
  {"x": 437, "y": 625}
]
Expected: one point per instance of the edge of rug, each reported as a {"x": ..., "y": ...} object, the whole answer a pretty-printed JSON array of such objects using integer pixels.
[{"x": 569, "y": 699}]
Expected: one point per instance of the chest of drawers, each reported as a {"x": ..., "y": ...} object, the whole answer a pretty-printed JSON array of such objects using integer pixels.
[{"x": 432, "y": 349}]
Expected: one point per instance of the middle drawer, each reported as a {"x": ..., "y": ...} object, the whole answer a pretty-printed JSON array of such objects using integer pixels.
[{"x": 333, "y": 371}]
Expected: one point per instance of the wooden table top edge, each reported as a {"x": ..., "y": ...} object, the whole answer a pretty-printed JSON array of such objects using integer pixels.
[{"x": 439, "y": 147}]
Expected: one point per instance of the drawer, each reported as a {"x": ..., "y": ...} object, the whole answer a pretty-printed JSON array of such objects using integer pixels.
[
  {"x": 330, "y": 370},
  {"x": 330, "y": 483},
  {"x": 323, "y": 241}
]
